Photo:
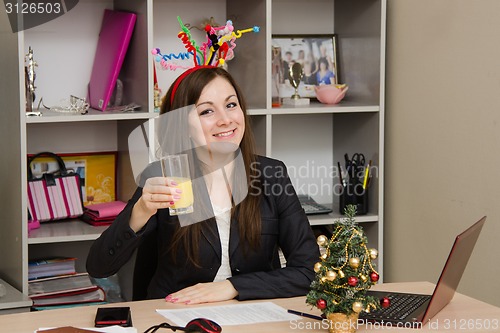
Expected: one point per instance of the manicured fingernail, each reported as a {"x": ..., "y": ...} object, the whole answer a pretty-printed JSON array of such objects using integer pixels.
[
  {"x": 173, "y": 183},
  {"x": 174, "y": 300},
  {"x": 172, "y": 203},
  {"x": 187, "y": 302},
  {"x": 168, "y": 298},
  {"x": 177, "y": 197},
  {"x": 178, "y": 190}
]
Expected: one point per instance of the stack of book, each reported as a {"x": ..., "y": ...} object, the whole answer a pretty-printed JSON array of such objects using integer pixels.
[
  {"x": 64, "y": 291},
  {"x": 102, "y": 213}
]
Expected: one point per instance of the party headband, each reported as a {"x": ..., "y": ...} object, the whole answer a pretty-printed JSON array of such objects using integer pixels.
[
  {"x": 217, "y": 48},
  {"x": 181, "y": 77}
]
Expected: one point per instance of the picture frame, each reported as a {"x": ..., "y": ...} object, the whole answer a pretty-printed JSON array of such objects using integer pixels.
[
  {"x": 313, "y": 52},
  {"x": 97, "y": 172}
]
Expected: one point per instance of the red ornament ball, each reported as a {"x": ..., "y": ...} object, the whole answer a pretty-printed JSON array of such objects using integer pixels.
[
  {"x": 321, "y": 304},
  {"x": 385, "y": 302},
  {"x": 374, "y": 277},
  {"x": 352, "y": 281}
]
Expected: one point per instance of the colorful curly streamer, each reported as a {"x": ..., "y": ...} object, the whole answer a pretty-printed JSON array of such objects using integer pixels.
[
  {"x": 219, "y": 45},
  {"x": 164, "y": 58},
  {"x": 189, "y": 42}
]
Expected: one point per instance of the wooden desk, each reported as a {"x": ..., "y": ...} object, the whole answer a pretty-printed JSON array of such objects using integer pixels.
[{"x": 463, "y": 314}]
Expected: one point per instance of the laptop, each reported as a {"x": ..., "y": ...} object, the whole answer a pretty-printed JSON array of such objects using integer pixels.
[{"x": 417, "y": 308}]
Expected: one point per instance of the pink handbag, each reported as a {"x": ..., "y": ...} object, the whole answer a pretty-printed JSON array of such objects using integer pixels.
[{"x": 54, "y": 196}]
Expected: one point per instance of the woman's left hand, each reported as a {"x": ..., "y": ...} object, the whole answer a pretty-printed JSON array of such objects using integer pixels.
[{"x": 204, "y": 293}]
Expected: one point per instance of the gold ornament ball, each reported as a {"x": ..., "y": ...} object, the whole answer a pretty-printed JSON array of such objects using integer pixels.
[
  {"x": 357, "y": 307},
  {"x": 331, "y": 275},
  {"x": 354, "y": 262},
  {"x": 373, "y": 253},
  {"x": 317, "y": 267},
  {"x": 322, "y": 240}
]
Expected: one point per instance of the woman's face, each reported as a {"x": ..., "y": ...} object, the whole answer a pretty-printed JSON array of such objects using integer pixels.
[{"x": 217, "y": 121}]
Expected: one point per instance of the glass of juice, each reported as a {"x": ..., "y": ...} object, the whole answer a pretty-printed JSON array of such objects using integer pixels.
[{"x": 176, "y": 168}]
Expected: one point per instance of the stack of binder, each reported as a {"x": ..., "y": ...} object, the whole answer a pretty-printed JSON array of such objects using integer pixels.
[{"x": 64, "y": 291}]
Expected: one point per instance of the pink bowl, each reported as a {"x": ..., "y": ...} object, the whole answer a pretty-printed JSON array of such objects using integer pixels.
[{"x": 330, "y": 94}]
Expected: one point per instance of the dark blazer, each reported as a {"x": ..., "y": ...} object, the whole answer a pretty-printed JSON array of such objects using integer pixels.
[{"x": 255, "y": 274}]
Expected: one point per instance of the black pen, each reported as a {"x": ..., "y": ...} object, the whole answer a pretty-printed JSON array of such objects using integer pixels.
[{"x": 303, "y": 314}]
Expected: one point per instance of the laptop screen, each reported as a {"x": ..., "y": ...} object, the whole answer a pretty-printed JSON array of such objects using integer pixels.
[{"x": 453, "y": 269}]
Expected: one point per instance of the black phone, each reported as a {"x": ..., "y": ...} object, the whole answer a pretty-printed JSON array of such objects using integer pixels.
[{"x": 120, "y": 316}]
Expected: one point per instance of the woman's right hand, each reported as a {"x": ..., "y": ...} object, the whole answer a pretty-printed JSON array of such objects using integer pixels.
[{"x": 157, "y": 193}]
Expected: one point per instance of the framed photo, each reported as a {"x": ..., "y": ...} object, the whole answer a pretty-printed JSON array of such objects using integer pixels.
[
  {"x": 97, "y": 172},
  {"x": 318, "y": 56}
]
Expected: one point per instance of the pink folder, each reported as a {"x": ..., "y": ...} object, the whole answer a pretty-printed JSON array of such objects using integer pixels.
[
  {"x": 114, "y": 38},
  {"x": 105, "y": 209}
]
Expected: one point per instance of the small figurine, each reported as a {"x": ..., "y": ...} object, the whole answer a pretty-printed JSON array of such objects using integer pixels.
[{"x": 30, "y": 76}]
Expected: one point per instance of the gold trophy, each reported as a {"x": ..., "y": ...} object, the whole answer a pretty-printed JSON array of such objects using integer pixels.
[{"x": 296, "y": 73}]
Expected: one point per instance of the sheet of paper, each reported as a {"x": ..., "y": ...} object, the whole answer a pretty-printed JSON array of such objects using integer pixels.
[
  {"x": 237, "y": 314},
  {"x": 109, "y": 329}
]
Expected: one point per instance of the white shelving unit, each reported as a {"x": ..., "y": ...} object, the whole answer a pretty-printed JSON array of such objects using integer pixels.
[
  {"x": 307, "y": 138},
  {"x": 13, "y": 301}
]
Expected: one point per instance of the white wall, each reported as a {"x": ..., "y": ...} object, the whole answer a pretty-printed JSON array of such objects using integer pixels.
[{"x": 442, "y": 139}]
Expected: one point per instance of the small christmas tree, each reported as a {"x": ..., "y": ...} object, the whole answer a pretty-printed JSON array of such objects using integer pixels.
[{"x": 345, "y": 270}]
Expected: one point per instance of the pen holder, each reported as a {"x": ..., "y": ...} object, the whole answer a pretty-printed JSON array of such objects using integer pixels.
[{"x": 354, "y": 195}]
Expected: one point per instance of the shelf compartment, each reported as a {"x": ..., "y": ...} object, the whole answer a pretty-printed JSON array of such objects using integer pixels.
[
  {"x": 317, "y": 108},
  {"x": 66, "y": 231},
  {"x": 327, "y": 219},
  {"x": 93, "y": 115}
]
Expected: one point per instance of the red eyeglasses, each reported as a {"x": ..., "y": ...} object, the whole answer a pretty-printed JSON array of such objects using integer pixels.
[{"x": 198, "y": 325}]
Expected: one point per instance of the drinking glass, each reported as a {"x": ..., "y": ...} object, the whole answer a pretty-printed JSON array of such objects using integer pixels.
[{"x": 176, "y": 168}]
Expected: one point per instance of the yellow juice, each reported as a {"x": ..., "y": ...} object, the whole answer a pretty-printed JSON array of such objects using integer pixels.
[{"x": 186, "y": 186}]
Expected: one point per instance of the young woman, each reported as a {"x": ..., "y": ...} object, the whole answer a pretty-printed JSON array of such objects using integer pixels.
[
  {"x": 324, "y": 75},
  {"x": 234, "y": 252}
]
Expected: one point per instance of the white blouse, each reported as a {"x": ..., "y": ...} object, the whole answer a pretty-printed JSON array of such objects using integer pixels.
[{"x": 223, "y": 219}]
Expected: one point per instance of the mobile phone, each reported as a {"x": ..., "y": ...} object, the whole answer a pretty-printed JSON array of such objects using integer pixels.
[{"x": 120, "y": 316}]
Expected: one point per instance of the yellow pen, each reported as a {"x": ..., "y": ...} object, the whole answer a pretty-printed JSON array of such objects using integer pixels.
[{"x": 367, "y": 171}]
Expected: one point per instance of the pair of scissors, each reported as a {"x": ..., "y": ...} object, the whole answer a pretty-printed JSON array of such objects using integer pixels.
[
  {"x": 358, "y": 160},
  {"x": 358, "y": 164}
]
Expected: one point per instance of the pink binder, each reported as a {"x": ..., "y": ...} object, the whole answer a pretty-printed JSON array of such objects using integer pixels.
[{"x": 114, "y": 38}]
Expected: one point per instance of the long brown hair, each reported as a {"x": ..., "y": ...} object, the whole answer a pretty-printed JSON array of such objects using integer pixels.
[{"x": 187, "y": 92}]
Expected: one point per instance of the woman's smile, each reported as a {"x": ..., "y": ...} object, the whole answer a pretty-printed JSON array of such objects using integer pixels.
[{"x": 227, "y": 134}]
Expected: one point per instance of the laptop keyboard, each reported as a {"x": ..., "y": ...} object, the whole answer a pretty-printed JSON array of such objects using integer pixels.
[
  {"x": 401, "y": 306},
  {"x": 311, "y": 207}
]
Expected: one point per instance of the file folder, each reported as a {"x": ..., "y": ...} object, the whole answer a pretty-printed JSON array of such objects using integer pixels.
[{"x": 114, "y": 38}]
